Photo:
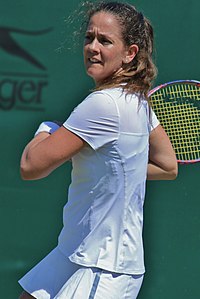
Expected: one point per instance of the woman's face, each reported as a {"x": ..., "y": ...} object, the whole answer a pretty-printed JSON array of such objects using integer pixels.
[{"x": 104, "y": 50}]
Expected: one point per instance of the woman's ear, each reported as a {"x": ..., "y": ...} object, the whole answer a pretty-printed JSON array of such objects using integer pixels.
[{"x": 131, "y": 53}]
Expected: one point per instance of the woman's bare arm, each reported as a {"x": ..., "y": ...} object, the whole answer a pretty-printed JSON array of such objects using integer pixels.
[
  {"x": 162, "y": 160},
  {"x": 46, "y": 152}
]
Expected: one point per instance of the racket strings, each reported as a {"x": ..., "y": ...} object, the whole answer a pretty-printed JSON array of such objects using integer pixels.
[{"x": 178, "y": 106}]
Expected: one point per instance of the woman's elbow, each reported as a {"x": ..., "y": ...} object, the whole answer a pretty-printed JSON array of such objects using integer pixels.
[
  {"x": 25, "y": 167},
  {"x": 33, "y": 173},
  {"x": 28, "y": 174},
  {"x": 173, "y": 173},
  {"x": 25, "y": 174}
]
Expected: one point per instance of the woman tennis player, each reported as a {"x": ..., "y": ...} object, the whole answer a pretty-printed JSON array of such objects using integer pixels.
[{"x": 115, "y": 143}]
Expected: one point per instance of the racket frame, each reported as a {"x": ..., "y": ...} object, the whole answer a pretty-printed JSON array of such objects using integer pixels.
[{"x": 152, "y": 91}]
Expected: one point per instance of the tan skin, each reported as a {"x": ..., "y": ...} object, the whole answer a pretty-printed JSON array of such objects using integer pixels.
[
  {"x": 47, "y": 152},
  {"x": 104, "y": 49}
]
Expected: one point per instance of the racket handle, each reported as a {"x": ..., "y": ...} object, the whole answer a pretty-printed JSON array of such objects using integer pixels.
[{"x": 48, "y": 127}]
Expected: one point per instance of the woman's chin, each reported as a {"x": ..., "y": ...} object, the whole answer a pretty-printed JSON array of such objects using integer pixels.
[{"x": 94, "y": 76}]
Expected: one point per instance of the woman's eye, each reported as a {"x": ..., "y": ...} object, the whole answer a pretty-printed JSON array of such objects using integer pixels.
[
  {"x": 105, "y": 41},
  {"x": 88, "y": 38}
]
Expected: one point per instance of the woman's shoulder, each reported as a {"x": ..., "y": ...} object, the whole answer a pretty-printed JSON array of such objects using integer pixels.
[
  {"x": 113, "y": 93},
  {"x": 110, "y": 97}
]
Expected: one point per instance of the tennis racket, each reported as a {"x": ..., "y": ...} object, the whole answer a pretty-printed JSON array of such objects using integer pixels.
[{"x": 177, "y": 106}]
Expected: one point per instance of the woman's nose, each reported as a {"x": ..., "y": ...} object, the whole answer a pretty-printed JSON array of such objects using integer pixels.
[{"x": 94, "y": 45}]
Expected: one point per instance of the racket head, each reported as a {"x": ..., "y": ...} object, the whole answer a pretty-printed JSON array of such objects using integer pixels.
[{"x": 177, "y": 106}]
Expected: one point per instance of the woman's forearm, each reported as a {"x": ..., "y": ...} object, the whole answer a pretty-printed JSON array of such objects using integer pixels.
[
  {"x": 47, "y": 151},
  {"x": 28, "y": 165},
  {"x": 154, "y": 172},
  {"x": 162, "y": 159}
]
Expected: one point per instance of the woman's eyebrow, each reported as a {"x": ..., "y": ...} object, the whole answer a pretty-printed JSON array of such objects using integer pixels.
[{"x": 102, "y": 34}]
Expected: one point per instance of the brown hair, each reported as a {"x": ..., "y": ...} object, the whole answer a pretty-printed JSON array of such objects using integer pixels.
[{"x": 136, "y": 29}]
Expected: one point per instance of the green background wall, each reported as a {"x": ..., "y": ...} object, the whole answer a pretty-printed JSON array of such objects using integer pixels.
[{"x": 48, "y": 88}]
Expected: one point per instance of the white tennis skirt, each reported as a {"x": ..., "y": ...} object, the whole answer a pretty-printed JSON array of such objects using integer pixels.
[{"x": 56, "y": 277}]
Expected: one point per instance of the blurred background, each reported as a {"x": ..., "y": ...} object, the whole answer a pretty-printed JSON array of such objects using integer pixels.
[{"x": 42, "y": 78}]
